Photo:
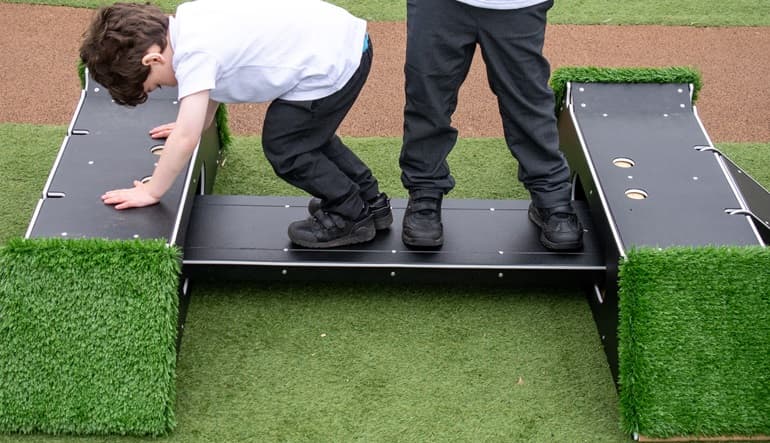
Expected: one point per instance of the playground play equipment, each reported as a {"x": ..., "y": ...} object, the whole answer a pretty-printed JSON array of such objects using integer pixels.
[{"x": 646, "y": 176}]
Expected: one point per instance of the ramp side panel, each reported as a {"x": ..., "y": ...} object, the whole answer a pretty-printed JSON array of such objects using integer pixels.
[{"x": 755, "y": 196}]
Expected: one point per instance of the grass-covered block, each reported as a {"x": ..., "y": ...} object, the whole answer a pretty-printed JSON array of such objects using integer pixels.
[
  {"x": 87, "y": 336},
  {"x": 695, "y": 341}
]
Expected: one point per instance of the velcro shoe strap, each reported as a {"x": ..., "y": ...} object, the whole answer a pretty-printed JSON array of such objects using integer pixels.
[
  {"x": 424, "y": 205},
  {"x": 329, "y": 221},
  {"x": 434, "y": 194},
  {"x": 564, "y": 209}
]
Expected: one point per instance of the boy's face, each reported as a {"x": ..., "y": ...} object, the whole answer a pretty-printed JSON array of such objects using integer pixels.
[{"x": 161, "y": 69}]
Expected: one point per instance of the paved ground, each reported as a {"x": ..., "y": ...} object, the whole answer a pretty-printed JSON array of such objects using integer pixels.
[{"x": 38, "y": 52}]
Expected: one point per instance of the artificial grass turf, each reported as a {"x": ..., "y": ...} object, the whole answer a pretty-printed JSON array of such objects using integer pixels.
[
  {"x": 694, "y": 341},
  {"x": 322, "y": 362},
  {"x": 88, "y": 336},
  {"x": 28, "y": 151}
]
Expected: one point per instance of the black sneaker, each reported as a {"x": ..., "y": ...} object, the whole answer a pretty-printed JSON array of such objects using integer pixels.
[
  {"x": 422, "y": 219},
  {"x": 560, "y": 229},
  {"x": 380, "y": 207},
  {"x": 329, "y": 230}
]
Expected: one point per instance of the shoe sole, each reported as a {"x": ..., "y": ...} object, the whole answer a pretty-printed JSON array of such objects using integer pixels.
[
  {"x": 572, "y": 246},
  {"x": 361, "y": 235}
]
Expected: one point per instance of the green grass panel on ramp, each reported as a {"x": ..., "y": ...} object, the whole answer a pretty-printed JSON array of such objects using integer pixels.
[
  {"x": 695, "y": 341},
  {"x": 88, "y": 336}
]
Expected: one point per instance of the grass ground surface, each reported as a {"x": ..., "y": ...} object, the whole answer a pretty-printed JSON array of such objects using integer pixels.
[{"x": 614, "y": 12}]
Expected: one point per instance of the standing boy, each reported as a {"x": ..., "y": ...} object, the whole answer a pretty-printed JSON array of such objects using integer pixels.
[
  {"x": 441, "y": 38},
  {"x": 309, "y": 58}
]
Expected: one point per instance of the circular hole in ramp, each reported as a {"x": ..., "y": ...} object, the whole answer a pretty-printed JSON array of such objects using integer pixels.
[
  {"x": 623, "y": 162},
  {"x": 157, "y": 149},
  {"x": 636, "y": 194}
]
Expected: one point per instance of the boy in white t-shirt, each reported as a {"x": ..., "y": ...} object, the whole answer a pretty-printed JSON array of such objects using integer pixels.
[{"x": 310, "y": 59}]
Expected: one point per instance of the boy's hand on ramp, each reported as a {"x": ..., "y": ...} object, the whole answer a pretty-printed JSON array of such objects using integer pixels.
[
  {"x": 135, "y": 197},
  {"x": 162, "y": 131}
]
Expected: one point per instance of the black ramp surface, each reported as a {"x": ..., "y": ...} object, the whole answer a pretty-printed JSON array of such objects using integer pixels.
[
  {"x": 85, "y": 216},
  {"x": 90, "y": 165},
  {"x": 686, "y": 190},
  {"x": 103, "y": 116},
  {"x": 97, "y": 163},
  {"x": 243, "y": 232},
  {"x": 115, "y": 152}
]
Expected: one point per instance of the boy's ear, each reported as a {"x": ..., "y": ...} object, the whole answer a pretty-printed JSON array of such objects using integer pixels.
[{"x": 152, "y": 57}]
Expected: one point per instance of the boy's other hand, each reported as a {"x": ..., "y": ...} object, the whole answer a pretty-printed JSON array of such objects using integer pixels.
[
  {"x": 135, "y": 197},
  {"x": 162, "y": 131}
]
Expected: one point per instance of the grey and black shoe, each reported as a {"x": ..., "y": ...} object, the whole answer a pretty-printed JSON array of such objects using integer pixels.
[
  {"x": 329, "y": 230},
  {"x": 422, "y": 227},
  {"x": 560, "y": 229},
  {"x": 379, "y": 206}
]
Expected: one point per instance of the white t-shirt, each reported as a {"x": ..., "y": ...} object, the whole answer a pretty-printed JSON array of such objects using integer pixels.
[
  {"x": 252, "y": 51},
  {"x": 501, "y": 4}
]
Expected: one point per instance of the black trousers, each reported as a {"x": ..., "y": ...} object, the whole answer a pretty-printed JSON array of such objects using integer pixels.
[
  {"x": 300, "y": 142},
  {"x": 441, "y": 39}
]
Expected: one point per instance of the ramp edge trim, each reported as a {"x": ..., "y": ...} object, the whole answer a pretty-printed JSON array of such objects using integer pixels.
[
  {"x": 592, "y": 169},
  {"x": 324, "y": 264}
]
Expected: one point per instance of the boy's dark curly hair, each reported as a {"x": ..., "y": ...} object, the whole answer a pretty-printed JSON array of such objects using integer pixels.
[{"x": 114, "y": 44}]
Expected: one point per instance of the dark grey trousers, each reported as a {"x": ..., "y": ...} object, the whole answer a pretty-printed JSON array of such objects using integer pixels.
[
  {"x": 300, "y": 142},
  {"x": 441, "y": 39}
]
